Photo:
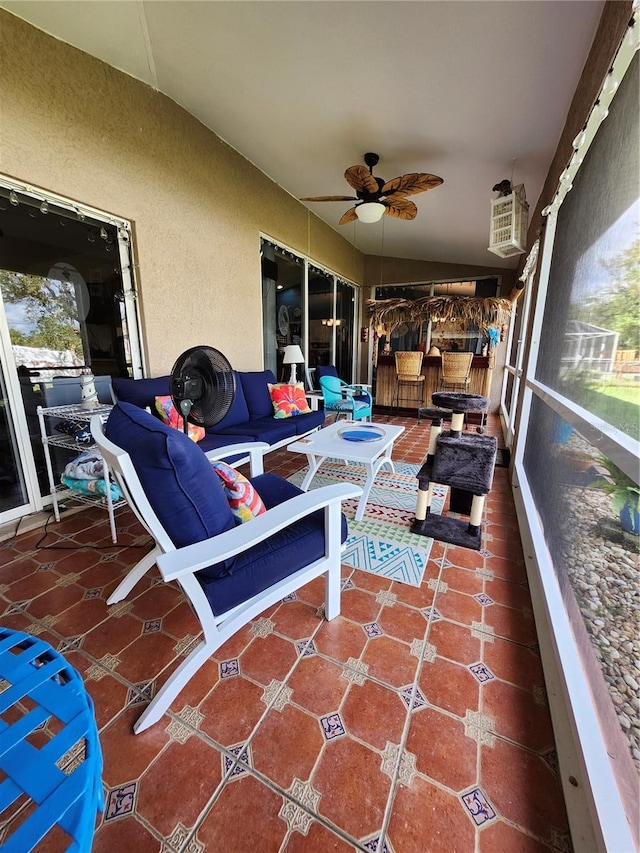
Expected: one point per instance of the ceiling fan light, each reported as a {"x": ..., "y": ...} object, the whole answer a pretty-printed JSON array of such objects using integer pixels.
[{"x": 370, "y": 211}]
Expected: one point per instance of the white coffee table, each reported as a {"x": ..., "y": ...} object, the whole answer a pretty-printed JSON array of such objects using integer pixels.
[{"x": 328, "y": 443}]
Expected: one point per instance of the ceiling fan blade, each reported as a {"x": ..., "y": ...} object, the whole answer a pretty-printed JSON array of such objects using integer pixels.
[
  {"x": 349, "y": 216},
  {"x": 412, "y": 183},
  {"x": 400, "y": 208},
  {"x": 330, "y": 198},
  {"x": 361, "y": 179}
]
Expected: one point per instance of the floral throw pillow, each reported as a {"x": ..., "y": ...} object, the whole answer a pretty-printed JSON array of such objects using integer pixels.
[
  {"x": 288, "y": 400},
  {"x": 171, "y": 417},
  {"x": 245, "y": 503}
]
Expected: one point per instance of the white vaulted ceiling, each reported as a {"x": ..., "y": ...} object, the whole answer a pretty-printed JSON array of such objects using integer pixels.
[{"x": 471, "y": 91}]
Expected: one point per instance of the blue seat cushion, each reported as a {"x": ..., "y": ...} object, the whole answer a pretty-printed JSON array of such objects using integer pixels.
[
  {"x": 177, "y": 478},
  {"x": 140, "y": 392},
  {"x": 256, "y": 391},
  {"x": 304, "y": 423},
  {"x": 272, "y": 560},
  {"x": 265, "y": 429}
]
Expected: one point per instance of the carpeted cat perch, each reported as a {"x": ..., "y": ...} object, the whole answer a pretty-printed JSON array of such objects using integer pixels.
[{"x": 465, "y": 463}]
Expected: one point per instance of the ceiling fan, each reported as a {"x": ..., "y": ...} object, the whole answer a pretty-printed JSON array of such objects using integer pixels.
[{"x": 376, "y": 197}]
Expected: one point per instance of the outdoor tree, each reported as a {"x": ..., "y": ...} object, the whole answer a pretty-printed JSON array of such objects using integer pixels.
[
  {"x": 49, "y": 307},
  {"x": 617, "y": 307}
]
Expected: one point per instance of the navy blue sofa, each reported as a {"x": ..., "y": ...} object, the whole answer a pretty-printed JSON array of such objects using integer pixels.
[{"x": 249, "y": 419}]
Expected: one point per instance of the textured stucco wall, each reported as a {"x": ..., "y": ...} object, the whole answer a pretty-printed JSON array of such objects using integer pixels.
[{"x": 74, "y": 126}]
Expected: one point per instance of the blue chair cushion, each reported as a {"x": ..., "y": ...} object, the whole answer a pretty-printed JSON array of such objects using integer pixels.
[
  {"x": 278, "y": 557},
  {"x": 256, "y": 391},
  {"x": 176, "y": 476},
  {"x": 140, "y": 392},
  {"x": 304, "y": 423},
  {"x": 325, "y": 370}
]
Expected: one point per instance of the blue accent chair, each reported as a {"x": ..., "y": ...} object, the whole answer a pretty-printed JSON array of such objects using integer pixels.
[{"x": 344, "y": 399}]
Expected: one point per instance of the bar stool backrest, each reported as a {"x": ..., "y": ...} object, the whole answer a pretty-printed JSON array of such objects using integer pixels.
[
  {"x": 408, "y": 365},
  {"x": 456, "y": 367}
]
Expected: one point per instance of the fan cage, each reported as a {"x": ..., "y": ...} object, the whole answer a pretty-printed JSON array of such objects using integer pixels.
[{"x": 509, "y": 219}]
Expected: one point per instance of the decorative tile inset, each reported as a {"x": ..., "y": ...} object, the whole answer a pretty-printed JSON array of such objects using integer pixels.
[
  {"x": 550, "y": 757},
  {"x": 120, "y": 801},
  {"x": 437, "y": 586},
  {"x": 443, "y": 563},
  {"x": 355, "y": 671},
  {"x": 277, "y": 694},
  {"x": 139, "y": 693},
  {"x": 479, "y": 728},
  {"x": 347, "y": 583},
  {"x": 108, "y": 558},
  {"x": 298, "y": 819},
  {"x": 45, "y": 567},
  {"x": 560, "y": 841},
  {"x": 93, "y": 593},
  {"x": 43, "y": 625},
  {"x": 67, "y": 580},
  {"x": 478, "y": 806},
  {"x": 412, "y": 699},
  {"x": 186, "y": 645},
  {"x": 306, "y": 648},
  {"x": 97, "y": 673},
  {"x": 485, "y": 574},
  {"x": 291, "y": 597},
  {"x": 332, "y": 726},
  {"x": 229, "y": 668},
  {"x": 373, "y": 630},
  {"x": 181, "y": 729},
  {"x": 535, "y": 648},
  {"x": 377, "y": 845},
  {"x": 320, "y": 611},
  {"x": 390, "y": 758},
  {"x": 151, "y": 626},
  {"x": 241, "y": 752},
  {"x": 386, "y": 598},
  {"x": 484, "y": 599},
  {"x": 70, "y": 645},
  {"x": 431, "y": 613},
  {"x": 482, "y": 632},
  {"x": 262, "y": 627},
  {"x": 484, "y": 553},
  {"x": 481, "y": 672},
  {"x": 4, "y": 587},
  {"x": 177, "y": 838},
  {"x": 120, "y": 609},
  {"x": 540, "y": 695},
  {"x": 422, "y": 649}
]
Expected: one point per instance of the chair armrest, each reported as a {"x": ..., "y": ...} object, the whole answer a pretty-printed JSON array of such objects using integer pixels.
[
  {"x": 191, "y": 558},
  {"x": 255, "y": 449},
  {"x": 360, "y": 390}
]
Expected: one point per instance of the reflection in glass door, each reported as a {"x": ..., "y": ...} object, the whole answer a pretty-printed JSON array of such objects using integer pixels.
[
  {"x": 283, "y": 306},
  {"x": 344, "y": 329},
  {"x": 320, "y": 317}
]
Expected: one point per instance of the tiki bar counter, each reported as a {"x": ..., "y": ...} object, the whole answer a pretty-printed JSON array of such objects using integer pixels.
[{"x": 480, "y": 377}]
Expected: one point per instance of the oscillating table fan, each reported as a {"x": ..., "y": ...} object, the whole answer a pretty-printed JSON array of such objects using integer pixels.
[{"x": 202, "y": 386}]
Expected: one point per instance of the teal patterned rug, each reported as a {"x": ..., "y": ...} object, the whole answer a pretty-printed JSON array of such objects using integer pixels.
[{"x": 382, "y": 542}]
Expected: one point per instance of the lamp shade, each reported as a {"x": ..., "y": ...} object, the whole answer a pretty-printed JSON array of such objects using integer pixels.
[
  {"x": 293, "y": 355},
  {"x": 370, "y": 211}
]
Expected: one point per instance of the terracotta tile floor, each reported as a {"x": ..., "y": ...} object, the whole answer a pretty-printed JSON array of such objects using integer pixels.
[{"x": 415, "y": 722}]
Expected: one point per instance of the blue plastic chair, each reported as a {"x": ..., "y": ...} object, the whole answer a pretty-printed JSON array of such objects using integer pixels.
[
  {"x": 345, "y": 399},
  {"x": 58, "y": 768}
]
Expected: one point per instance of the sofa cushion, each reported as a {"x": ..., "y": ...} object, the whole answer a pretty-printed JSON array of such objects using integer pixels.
[
  {"x": 256, "y": 391},
  {"x": 140, "y": 392},
  {"x": 288, "y": 400},
  {"x": 265, "y": 429},
  {"x": 266, "y": 563},
  {"x": 305, "y": 423},
  {"x": 238, "y": 413},
  {"x": 176, "y": 476}
]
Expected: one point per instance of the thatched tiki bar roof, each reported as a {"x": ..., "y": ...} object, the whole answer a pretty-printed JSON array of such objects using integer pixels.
[{"x": 483, "y": 313}]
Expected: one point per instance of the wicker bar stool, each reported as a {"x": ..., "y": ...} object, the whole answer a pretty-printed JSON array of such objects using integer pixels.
[
  {"x": 409, "y": 380},
  {"x": 456, "y": 367}
]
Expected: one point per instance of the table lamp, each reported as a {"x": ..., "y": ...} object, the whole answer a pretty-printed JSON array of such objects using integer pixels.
[{"x": 293, "y": 355}]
